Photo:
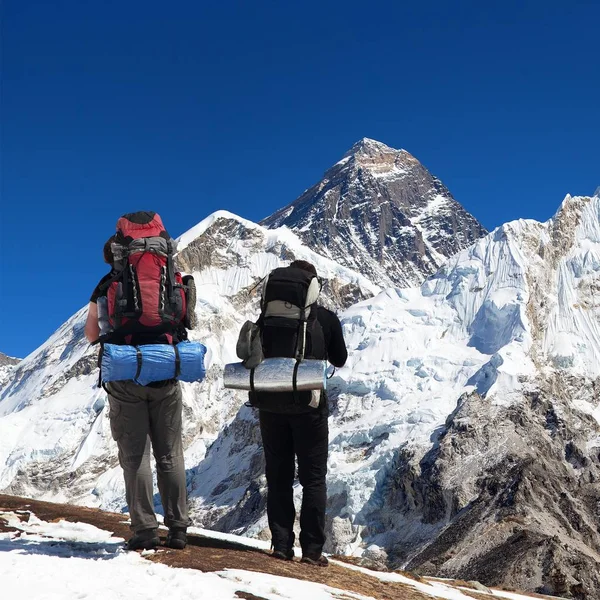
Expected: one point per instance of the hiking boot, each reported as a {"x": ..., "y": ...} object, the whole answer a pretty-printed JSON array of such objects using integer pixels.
[
  {"x": 146, "y": 539},
  {"x": 283, "y": 554},
  {"x": 177, "y": 538},
  {"x": 315, "y": 561}
]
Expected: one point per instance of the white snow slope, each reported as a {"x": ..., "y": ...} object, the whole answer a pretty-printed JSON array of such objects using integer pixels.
[{"x": 498, "y": 317}]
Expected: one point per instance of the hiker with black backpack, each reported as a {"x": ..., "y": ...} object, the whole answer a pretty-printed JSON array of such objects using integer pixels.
[
  {"x": 143, "y": 301},
  {"x": 294, "y": 424}
]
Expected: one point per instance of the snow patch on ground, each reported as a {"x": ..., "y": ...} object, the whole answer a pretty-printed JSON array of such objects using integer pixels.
[{"x": 53, "y": 561}]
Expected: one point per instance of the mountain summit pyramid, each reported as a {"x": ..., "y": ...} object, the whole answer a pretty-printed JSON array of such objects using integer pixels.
[{"x": 380, "y": 212}]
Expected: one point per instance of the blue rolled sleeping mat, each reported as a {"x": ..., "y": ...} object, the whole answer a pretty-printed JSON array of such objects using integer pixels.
[{"x": 153, "y": 362}]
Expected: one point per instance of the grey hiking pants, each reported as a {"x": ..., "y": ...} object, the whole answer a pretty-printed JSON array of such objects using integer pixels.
[{"x": 140, "y": 417}]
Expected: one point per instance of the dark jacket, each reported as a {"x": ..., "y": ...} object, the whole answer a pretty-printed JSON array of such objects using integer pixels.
[
  {"x": 331, "y": 348},
  {"x": 336, "y": 352}
]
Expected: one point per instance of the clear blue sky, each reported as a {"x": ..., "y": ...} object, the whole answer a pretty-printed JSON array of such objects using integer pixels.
[{"x": 189, "y": 107}]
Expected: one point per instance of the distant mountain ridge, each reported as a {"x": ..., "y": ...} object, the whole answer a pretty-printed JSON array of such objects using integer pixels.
[
  {"x": 380, "y": 212},
  {"x": 8, "y": 360},
  {"x": 7, "y": 367}
]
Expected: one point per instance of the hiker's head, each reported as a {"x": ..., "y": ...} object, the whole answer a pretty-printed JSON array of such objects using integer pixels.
[
  {"x": 107, "y": 250},
  {"x": 304, "y": 265}
]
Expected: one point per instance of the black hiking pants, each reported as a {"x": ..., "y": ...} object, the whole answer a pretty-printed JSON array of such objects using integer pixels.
[{"x": 285, "y": 437}]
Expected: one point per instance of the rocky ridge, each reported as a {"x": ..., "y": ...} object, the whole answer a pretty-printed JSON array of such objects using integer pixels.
[
  {"x": 8, "y": 360},
  {"x": 380, "y": 212},
  {"x": 7, "y": 365}
]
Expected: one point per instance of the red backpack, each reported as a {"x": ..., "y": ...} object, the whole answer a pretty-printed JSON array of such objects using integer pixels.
[{"x": 145, "y": 294}]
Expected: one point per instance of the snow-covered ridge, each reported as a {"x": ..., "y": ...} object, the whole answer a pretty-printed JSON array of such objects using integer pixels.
[
  {"x": 53, "y": 418},
  {"x": 197, "y": 230},
  {"x": 271, "y": 238},
  {"x": 7, "y": 367}
]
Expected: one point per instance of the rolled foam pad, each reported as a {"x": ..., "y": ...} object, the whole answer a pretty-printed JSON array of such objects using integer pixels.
[
  {"x": 157, "y": 362},
  {"x": 277, "y": 375}
]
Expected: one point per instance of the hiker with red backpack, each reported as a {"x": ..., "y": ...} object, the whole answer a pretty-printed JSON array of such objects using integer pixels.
[
  {"x": 294, "y": 424},
  {"x": 143, "y": 302}
]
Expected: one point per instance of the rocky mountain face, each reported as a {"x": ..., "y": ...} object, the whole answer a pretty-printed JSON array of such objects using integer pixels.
[
  {"x": 7, "y": 360},
  {"x": 380, "y": 212},
  {"x": 509, "y": 489},
  {"x": 512, "y": 480},
  {"x": 529, "y": 514}
]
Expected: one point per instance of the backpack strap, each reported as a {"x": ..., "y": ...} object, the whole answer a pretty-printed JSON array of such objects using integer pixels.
[
  {"x": 177, "y": 361},
  {"x": 170, "y": 273},
  {"x": 302, "y": 328},
  {"x": 99, "y": 363},
  {"x": 103, "y": 287},
  {"x": 300, "y": 349},
  {"x": 301, "y": 340},
  {"x": 133, "y": 327},
  {"x": 140, "y": 358},
  {"x": 295, "y": 383}
]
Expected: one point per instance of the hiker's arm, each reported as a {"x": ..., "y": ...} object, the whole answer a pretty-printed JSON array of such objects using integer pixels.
[
  {"x": 336, "y": 350},
  {"x": 92, "y": 329}
]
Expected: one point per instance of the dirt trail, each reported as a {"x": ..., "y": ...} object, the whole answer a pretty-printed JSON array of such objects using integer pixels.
[{"x": 208, "y": 554}]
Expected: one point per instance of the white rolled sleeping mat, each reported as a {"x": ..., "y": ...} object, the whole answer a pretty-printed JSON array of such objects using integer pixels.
[{"x": 277, "y": 375}]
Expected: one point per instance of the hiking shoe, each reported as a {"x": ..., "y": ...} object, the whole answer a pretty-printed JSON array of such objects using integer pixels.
[
  {"x": 146, "y": 539},
  {"x": 283, "y": 554},
  {"x": 177, "y": 538},
  {"x": 319, "y": 561}
]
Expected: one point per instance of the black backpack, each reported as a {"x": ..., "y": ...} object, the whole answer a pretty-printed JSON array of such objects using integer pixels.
[{"x": 287, "y": 327}]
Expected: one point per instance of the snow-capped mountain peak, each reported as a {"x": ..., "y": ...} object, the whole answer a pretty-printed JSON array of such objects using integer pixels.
[
  {"x": 381, "y": 161},
  {"x": 380, "y": 212},
  {"x": 368, "y": 144},
  {"x": 370, "y": 147}
]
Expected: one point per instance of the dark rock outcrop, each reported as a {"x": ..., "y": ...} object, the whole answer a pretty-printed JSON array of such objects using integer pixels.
[{"x": 514, "y": 493}]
